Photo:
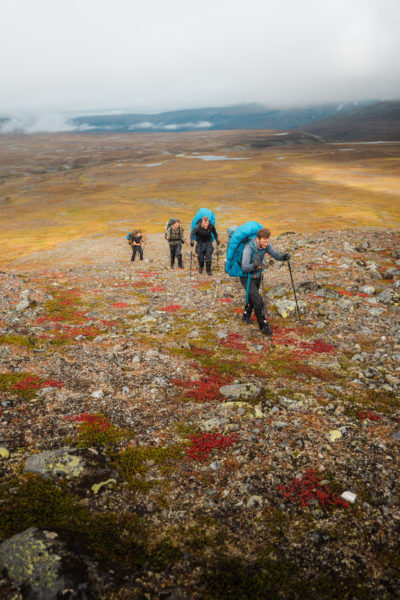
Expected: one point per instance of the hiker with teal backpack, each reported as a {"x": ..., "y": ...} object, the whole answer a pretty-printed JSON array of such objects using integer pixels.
[
  {"x": 204, "y": 232},
  {"x": 245, "y": 258},
  {"x": 136, "y": 241}
]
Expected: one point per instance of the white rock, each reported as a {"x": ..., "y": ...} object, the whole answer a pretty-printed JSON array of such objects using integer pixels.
[
  {"x": 376, "y": 312},
  {"x": 367, "y": 289},
  {"x": 98, "y": 394},
  {"x": 254, "y": 502},
  {"x": 23, "y": 305},
  {"x": 349, "y": 497},
  {"x": 348, "y": 247}
]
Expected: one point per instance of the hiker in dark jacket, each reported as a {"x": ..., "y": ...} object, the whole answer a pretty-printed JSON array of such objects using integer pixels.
[
  {"x": 136, "y": 241},
  {"x": 175, "y": 237},
  {"x": 204, "y": 247},
  {"x": 252, "y": 263}
]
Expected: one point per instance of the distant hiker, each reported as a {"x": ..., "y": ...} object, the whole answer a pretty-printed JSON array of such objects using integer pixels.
[
  {"x": 136, "y": 241},
  {"x": 252, "y": 264},
  {"x": 204, "y": 232},
  {"x": 175, "y": 237}
]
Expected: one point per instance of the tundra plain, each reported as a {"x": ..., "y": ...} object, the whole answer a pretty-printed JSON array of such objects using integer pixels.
[{"x": 57, "y": 188}]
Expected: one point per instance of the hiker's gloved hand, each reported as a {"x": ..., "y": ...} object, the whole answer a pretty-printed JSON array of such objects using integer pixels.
[
  {"x": 286, "y": 256},
  {"x": 192, "y": 244}
]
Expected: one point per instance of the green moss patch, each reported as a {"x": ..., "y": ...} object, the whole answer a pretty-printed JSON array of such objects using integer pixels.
[
  {"x": 18, "y": 340},
  {"x": 134, "y": 463}
]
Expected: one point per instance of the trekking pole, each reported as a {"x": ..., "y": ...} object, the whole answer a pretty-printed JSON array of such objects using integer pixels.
[
  {"x": 265, "y": 297},
  {"x": 294, "y": 289},
  {"x": 191, "y": 258},
  {"x": 217, "y": 256}
]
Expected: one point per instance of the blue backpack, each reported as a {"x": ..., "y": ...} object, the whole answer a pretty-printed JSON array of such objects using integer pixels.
[
  {"x": 130, "y": 233},
  {"x": 240, "y": 237},
  {"x": 203, "y": 212}
]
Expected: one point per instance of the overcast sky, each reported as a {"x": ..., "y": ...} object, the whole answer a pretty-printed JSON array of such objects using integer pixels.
[{"x": 88, "y": 55}]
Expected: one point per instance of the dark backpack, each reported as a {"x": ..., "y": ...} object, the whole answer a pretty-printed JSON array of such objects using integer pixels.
[
  {"x": 130, "y": 234},
  {"x": 168, "y": 225}
]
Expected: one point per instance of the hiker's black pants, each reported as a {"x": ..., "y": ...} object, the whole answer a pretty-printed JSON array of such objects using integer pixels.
[
  {"x": 204, "y": 251},
  {"x": 176, "y": 252},
  {"x": 137, "y": 249},
  {"x": 255, "y": 299}
]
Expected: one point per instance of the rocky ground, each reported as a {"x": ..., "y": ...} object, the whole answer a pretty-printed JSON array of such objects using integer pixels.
[{"x": 154, "y": 446}]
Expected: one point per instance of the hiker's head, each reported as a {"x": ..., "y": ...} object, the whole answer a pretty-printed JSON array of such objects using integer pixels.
[
  {"x": 263, "y": 237},
  {"x": 205, "y": 221},
  {"x": 176, "y": 224},
  {"x": 139, "y": 233}
]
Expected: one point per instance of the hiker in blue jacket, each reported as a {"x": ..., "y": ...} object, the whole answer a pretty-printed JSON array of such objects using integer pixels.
[{"x": 252, "y": 263}]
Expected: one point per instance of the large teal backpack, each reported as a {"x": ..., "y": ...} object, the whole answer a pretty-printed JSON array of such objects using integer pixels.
[
  {"x": 240, "y": 237},
  {"x": 203, "y": 212}
]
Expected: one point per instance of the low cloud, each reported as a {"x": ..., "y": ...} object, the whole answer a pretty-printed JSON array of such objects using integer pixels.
[
  {"x": 170, "y": 126},
  {"x": 44, "y": 123}
]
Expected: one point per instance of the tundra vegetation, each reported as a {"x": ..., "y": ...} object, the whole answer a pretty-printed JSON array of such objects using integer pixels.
[{"x": 164, "y": 445}]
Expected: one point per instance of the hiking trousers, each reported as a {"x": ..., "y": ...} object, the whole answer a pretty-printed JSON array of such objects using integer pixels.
[
  {"x": 176, "y": 252},
  {"x": 138, "y": 249},
  {"x": 255, "y": 299},
  {"x": 204, "y": 251}
]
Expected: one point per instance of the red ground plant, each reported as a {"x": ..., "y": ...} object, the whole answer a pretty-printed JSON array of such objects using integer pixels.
[
  {"x": 368, "y": 414},
  {"x": 204, "y": 389},
  {"x": 33, "y": 382},
  {"x": 203, "y": 443},
  {"x": 308, "y": 488},
  {"x": 98, "y": 423}
]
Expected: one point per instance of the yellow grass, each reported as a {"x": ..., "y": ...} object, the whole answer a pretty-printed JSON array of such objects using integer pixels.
[{"x": 110, "y": 189}]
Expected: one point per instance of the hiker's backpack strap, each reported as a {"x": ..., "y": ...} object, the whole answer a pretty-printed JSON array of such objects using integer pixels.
[{"x": 248, "y": 287}]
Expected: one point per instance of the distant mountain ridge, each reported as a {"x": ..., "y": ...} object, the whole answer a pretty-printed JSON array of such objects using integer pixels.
[
  {"x": 376, "y": 122},
  {"x": 363, "y": 121},
  {"x": 243, "y": 116}
]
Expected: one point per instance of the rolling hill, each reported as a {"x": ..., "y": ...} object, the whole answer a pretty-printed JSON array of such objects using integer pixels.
[{"x": 376, "y": 122}]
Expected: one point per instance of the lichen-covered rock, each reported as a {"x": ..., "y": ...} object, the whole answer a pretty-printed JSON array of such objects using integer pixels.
[
  {"x": 241, "y": 391},
  {"x": 287, "y": 307},
  {"x": 83, "y": 468},
  {"x": 44, "y": 567}
]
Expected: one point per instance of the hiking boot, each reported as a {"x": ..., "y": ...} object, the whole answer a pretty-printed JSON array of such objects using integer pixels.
[
  {"x": 200, "y": 269},
  {"x": 208, "y": 268},
  {"x": 265, "y": 328},
  {"x": 246, "y": 317},
  {"x": 180, "y": 263}
]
